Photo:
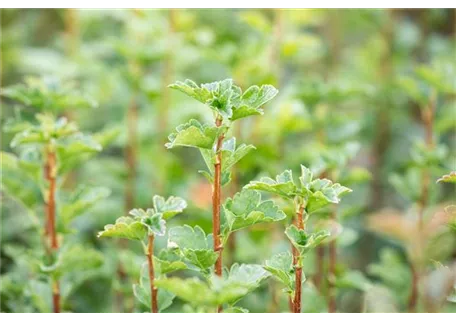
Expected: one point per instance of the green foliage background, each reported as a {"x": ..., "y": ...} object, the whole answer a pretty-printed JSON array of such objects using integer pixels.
[{"x": 353, "y": 85}]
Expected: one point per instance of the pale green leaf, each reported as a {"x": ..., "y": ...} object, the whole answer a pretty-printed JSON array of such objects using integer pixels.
[
  {"x": 281, "y": 267},
  {"x": 282, "y": 186},
  {"x": 194, "y": 134},
  {"x": 193, "y": 245},
  {"x": 125, "y": 227},
  {"x": 169, "y": 208},
  {"x": 251, "y": 101},
  {"x": 304, "y": 241},
  {"x": 247, "y": 209}
]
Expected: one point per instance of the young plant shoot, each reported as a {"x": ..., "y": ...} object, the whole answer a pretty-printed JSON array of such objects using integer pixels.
[{"x": 308, "y": 196}]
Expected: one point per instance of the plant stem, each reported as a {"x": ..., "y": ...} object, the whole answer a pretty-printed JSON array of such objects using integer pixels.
[
  {"x": 150, "y": 261},
  {"x": 216, "y": 198},
  {"x": 51, "y": 176},
  {"x": 299, "y": 222},
  {"x": 332, "y": 272},
  {"x": 427, "y": 117}
]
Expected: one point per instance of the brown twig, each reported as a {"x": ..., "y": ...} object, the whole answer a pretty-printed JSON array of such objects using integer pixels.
[
  {"x": 299, "y": 222},
  {"x": 427, "y": 118},
  {"x": 51, "y": 177},
  {"x": 153, "y": 289},
  {"x": 216, "y": 199}
]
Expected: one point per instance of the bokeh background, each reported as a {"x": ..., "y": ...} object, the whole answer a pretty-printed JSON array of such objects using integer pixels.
[{"x": 354, "y": 89}]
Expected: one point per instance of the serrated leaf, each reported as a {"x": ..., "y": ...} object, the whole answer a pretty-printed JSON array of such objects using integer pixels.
[
  {"x": 282, "y": 186},
  {"x": 142, "y": 291},
  {"x": 154, "y": 222},
  {"x": 164, "y": 266},
  {"x": 281, "y": 267},
  {"x": 193, "y": 245},
  {"x": 194, "y": 134},
  {"x": 304, "y": 241},
  {"x": 451, "y": 177},
  {"x": 251, "y": 101},
  {"x": 169, "y": 208},
  {"x": 306, "y": 176},
  {"x": 81, "y": 201},
  {"x": 125, "y": 227},
  {"x": 192, "y": 290},
  {"x": 217, "y": 95},
  {"x": 247, "y": 209},
  {"x": 240, "y": 281}
]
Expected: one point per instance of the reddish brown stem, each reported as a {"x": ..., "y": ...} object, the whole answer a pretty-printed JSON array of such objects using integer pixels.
[
  {"x": 413, "y": 300},
  {"x": 216, "y": 198},
  {"x": 299, "y": 222},
  {"x": 153, "y": 289},
  {"x": 51, "y": 177},
  {"x": 416, "y": 266}
]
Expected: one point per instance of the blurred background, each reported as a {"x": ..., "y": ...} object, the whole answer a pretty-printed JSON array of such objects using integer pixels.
[{"x": 367, "y": 98}]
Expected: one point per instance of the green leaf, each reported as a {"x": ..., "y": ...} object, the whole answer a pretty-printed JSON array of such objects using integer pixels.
[
  {"x": 413, "y": 89},
  {"x": 17, "y": 183},
  {"x": 164, "y": 266},
  {"x": 235, "y": 310},
  {"x": 251, "y": 101},
  {"x": 81, "y": 201},
  {"x": 48, "y": 94},
  {"x": 217, "y": 95},
  {"x": 169, "y": 208},
  {"x": 142, "y": 291},
  {"x": 247, "y": 209},
  {"x": 451, "y": 177},
  {"x": 194, "y": 134},
  {"x": 281, "y": 267},
  {"x": 282, "y": 186},
  {"x": 107, "y": 136},
  {"x": 125, "y": 227},
  {"x": 306, "y": 177},
  {"x": 76, "y": 149},
  {"x": 77, "y": 258},
  {"x": 47, "y": 129},
  {"x": 240, "y": 281},
  {"x": 303, "y": 241},
  {"x": 193, "y": 245},
  {"x": 192, "y": 290},
  {"x": 231, "y": 155},
  {"x": 152, "y": 220}
]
